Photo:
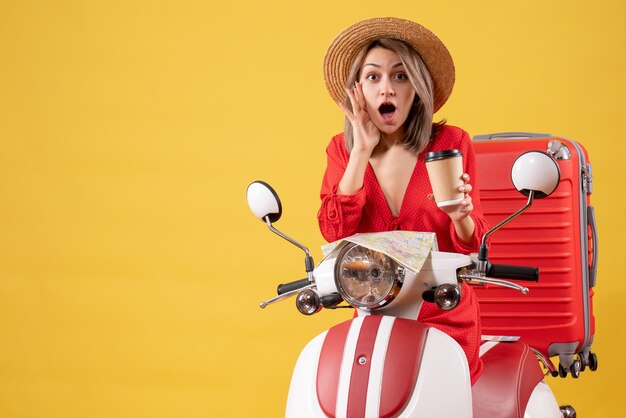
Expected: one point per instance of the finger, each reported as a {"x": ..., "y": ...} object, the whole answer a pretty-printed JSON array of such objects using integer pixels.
[
  {"x": 466, "y": 188},
  {"x": 430, "y": 197},
  {"x": 346, "y": 112},
  {"x": 353, "y": 101},
  {"x": 355, "y": 92},
  {"x": 465, "y": 208},
  {"x": 467, "y": 204},
  {"x": 465, "y": 177},
  {"x": 360, "y": 96}
]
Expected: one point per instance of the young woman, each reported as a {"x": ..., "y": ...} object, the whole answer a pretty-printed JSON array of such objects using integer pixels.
[{"x": 389, "y": 76}]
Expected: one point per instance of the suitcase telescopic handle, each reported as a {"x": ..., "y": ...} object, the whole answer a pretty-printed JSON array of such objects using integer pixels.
[
  {"x": 510, "y": 135},
  {"x": 506, "y": 271}
]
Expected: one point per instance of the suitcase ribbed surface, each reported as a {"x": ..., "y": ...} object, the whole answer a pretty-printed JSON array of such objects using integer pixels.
[{"x": 555, "y": 317}]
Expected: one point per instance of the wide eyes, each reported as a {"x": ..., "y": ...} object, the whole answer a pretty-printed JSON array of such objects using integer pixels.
[{"x": 400, "y": 76}]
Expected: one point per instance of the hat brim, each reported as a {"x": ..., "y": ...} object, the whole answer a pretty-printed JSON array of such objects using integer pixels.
[{"x": 347, "y": 44}]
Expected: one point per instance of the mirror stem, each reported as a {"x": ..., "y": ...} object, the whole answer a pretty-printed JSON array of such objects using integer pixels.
[
  {"x": 308, "y": 260},
  {"x": 482, "y": 254}
]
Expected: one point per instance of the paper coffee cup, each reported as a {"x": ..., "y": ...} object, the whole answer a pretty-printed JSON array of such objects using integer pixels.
[{"x": 445, "y": 171}]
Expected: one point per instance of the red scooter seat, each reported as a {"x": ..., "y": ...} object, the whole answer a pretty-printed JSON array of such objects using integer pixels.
[{"x": 510, "y": 374}]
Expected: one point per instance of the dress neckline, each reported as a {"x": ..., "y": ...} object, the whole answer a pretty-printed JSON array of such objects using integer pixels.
[{"x": 408, "y": 187}]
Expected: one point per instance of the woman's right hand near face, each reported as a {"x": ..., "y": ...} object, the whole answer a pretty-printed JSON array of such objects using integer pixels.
[
  {"x": 365, "y": 138},
  {"x": 365, "y": 134}
]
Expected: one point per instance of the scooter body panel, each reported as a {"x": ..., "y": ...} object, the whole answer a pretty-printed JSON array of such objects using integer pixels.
[
  {"x": 439, "y": 385},
  {"x": 443, "y": 386},
  {"x": 302, "y": 399},
  {"x": 542, "y": 403}
]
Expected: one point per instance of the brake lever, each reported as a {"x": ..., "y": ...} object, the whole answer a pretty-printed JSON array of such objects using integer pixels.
[
  {"x": 286, "y": 295},
  {"x": 476, "y": 278}
]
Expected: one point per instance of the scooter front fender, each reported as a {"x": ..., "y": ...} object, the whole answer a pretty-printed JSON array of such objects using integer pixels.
[{"x": 437, "y": 384}]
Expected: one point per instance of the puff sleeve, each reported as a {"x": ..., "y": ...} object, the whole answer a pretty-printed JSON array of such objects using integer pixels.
[{"x": 339, "y": 215}]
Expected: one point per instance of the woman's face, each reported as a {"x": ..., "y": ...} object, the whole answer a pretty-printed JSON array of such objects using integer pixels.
[{"x": 388, "y": 91}]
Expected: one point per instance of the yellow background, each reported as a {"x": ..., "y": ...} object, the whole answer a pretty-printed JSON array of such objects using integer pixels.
[{"x": 130, "y": 266}]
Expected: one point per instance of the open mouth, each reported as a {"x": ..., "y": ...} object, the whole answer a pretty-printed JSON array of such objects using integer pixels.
[{"x": 387, "y": 110}]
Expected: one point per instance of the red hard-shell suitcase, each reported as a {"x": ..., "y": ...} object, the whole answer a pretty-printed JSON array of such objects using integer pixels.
[{"x": 557, "y": 234}]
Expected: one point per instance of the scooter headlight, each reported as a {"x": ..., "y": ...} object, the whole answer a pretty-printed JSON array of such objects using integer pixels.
[{"x": 366, "y": 278}]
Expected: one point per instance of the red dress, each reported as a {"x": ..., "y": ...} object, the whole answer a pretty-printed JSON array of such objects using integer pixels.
[{"x": 368, "y": 211}]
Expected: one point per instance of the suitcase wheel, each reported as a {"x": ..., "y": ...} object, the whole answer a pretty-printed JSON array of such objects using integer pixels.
[
  {"x": 584, "y": 361},
  {"x": 575, "y": 368},
  {"x": 593, "y": 362}
]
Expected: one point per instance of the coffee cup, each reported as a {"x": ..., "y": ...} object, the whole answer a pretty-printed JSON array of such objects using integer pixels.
[{"x": 445, "y": 171}]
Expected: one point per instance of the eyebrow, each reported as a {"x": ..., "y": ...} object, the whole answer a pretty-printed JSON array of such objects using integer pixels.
[{"x": 399, "y": 64}]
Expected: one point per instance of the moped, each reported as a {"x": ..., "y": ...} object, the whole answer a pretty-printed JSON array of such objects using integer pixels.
[{"x": 384, "y": 362}]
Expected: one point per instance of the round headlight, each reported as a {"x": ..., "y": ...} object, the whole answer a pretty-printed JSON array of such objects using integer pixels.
[{"x": 366, "y": 278}]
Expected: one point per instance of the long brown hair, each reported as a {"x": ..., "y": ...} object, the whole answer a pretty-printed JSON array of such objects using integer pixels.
[{"x": 420, "y": 129}]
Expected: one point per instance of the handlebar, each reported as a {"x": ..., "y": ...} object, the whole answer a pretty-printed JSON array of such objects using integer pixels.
[
  {"x": 291, "y": 286},
  {"x": 506, "y": 271}
]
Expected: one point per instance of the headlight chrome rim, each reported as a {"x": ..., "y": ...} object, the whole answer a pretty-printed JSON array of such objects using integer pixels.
[{"x": 385, "y": 269}]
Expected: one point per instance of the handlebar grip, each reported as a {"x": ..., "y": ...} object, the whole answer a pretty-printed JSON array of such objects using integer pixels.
[
  {"x": 505, "y": 271},
  {"x": 288, "y": 287}
]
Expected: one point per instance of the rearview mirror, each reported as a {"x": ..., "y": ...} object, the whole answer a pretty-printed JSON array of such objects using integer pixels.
[
  {"x": 535, "y": 174},
  {"x": 263, "y": 201},
  {"x": 535, "y": 171}
]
